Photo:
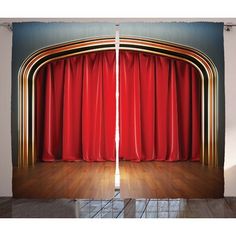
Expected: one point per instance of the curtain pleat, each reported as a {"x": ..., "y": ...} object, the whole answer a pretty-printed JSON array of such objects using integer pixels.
[{"x": 160, "y": 107}]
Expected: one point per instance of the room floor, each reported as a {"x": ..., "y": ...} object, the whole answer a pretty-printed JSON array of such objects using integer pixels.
[
  {"x": 83, "y": 180},
  {"x": 118, "y": 208}
]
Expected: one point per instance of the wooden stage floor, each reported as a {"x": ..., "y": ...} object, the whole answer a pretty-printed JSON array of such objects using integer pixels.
[
  {"x": 170, "y": 180},
  {"x": 83, "y": 180}
]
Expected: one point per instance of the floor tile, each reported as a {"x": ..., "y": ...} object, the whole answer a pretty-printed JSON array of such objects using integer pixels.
[
  {"x": 24, "y": 208},
  {"x": 163, "y": 206},
  {"x": 5, "y": 207},
  {"x": 174, "y": 205},
  {"x": 163, "y": 214},
  {"x": 118, "y": 208},
  {"x": 200, "y": 213},
  {"x": 149, "y": 214},
  {"x": 219, "y": 208},
  {"x": 152, "y": 206},
  {"x": 231, "y": 202}
]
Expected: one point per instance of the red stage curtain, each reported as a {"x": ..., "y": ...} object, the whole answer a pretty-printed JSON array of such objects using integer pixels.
[
  {"x": 75, "y": 108},
  {"x": 160, "y": 108}
]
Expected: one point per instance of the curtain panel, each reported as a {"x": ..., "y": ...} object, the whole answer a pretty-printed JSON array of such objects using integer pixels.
[
  {"x": 160, "y": 108},
  {"x": 75, "y": 108}
]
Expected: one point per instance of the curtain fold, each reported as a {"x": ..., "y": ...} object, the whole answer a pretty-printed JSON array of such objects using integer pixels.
[
  {"x": 75, "y": 108},
  {"x": 160, "y": 107}
]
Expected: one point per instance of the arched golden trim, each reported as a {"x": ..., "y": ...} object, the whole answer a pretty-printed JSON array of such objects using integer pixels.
[
  {"x": 206, "y": 68},
  {"x": 209, "y": 145},
  {"x": 26, "y": 153}
]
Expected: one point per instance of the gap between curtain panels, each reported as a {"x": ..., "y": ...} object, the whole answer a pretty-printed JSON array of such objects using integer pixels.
[{"x": 117, "y": 136}]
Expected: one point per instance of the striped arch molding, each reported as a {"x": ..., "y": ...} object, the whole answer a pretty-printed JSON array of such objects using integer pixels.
[{"x": 29, "y": 68}]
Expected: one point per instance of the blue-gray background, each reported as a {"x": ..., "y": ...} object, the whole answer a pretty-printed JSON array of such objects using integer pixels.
[{"x": 204, "y": 36}]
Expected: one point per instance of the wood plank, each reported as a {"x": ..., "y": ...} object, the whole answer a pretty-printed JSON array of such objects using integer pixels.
[
  {"x": 170, "y": 180},
  {"x": 95, "y": 180},
  {"x": 82, "y": 180}
]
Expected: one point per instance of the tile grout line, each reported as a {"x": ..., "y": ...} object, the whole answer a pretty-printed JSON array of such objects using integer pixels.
[
  {"x": 145, "y": 208},
  {"x": 84, "y": 204},
  {"x": 105, "y": 205},
  {"x": 124, "y": 207},
  {"x": 225, "y": 200}
]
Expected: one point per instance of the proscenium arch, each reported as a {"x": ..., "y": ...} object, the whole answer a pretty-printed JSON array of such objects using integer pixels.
[{"x": 30, "y": 67}]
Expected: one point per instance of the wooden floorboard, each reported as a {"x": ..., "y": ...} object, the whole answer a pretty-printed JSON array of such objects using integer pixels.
[
  {"x": 82, "y": 180},
  {"x": 95, "y": 180},
  {"x": 170, "y": 180}
]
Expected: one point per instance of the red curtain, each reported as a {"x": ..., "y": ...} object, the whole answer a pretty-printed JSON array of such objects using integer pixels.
[
  {"x": 75, "y": 108},
  {"x": 159, "y": 108}
]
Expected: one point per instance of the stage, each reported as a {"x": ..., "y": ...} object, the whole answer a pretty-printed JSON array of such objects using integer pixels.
[{"x": 96, "y": 180}]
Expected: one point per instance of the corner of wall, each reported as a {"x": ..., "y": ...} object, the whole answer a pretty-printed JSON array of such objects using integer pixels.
[{"x": 5, "y": 111}]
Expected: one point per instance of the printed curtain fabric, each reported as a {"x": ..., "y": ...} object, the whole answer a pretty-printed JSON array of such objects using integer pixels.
[
  {"x": 159, "y": 108},
  {"x": 75, "y": 108}
]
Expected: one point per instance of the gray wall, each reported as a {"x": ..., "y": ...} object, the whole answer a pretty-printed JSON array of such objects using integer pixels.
[{"x": 5, "y": 112}]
